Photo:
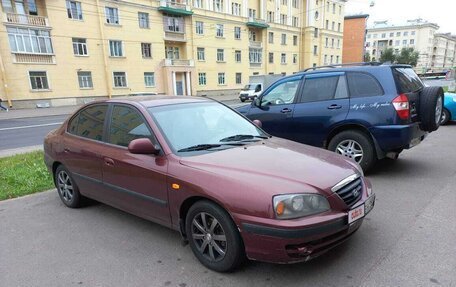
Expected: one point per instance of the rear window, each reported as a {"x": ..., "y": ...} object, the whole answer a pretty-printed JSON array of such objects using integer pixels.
[
  {"x": 363, "y": 85},
  {"x": 407, "y": 80}
]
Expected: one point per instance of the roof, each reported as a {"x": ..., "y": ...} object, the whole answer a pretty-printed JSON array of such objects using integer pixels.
[
  {"x": 160, "y": 100},
  {"x": 414, "y": 23},
  {"x": 359, "y": 16}
]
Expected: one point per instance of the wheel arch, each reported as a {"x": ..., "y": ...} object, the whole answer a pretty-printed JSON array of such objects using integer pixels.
[{"x": 55, "y": 165}]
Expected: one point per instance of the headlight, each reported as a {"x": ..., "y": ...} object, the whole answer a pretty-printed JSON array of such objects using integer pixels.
[{"x": 288, "y": 206}]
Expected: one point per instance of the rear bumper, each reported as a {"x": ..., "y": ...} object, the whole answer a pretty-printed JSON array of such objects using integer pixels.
[{"x": 395, "y": 137}]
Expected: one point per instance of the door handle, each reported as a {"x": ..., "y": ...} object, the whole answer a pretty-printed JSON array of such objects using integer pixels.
[
  {"x": 109, "y": 161},
  {"x": 66, "y": 150},
  {"x": 334, "y": 107},
  {"x": 286, "y": 110}
]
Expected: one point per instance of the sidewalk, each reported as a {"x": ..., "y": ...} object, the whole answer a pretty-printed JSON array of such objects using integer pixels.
[{"x": 67, "y": 110}]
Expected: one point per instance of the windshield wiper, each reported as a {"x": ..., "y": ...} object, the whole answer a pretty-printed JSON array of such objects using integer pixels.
[
  {"x": 206, "y": 147},
  {"x": 241, "y": 137}
]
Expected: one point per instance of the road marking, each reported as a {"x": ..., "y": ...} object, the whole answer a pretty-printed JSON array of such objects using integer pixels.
[{"x": 31, "y": 126}]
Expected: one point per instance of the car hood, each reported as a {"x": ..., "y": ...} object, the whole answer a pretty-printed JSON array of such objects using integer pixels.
[{"x": 277, "y": 162}]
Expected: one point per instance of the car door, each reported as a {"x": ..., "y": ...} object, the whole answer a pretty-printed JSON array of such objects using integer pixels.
[
  {"x": 137, "y": 182},
  {"x": 82, "y": 149},
  {"x": 323, "y": 102},
  {"x": 276, "y": 106}
]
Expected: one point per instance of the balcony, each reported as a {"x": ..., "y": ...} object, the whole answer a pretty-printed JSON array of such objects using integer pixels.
[
  {"x": 24, "y": 58},
  {"x": 26, "y": 20},
  {"x": 257, "y": 23},
  {"x": 255, "y": 44},
  {"x": 178, "y": 63},
  {"x": 175, "y": 8},
  {"x": 175, "y": 36}
]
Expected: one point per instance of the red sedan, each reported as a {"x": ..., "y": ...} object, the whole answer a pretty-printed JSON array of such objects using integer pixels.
[{"x": 197, "y": 166}]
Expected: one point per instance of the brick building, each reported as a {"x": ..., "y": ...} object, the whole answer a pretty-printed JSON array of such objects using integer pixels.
[{"x": 354, "y": 38}]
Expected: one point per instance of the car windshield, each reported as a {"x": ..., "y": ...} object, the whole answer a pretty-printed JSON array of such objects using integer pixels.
[
  {"x": 250, "y": 87},
  {"x": 206, "y": 126}
]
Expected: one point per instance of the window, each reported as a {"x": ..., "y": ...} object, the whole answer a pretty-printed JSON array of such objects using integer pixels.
[
  {"x": 332, "y": 58},
  {"x": 221, "y": 78},
  {"x": 334, "y": 8},
  {"x": 412, "y": 41},
  {"x": 383, "y": 35},
  {"x": 202, "y": 79},
  {"x": 327, "y": 24},
  {"x": 255, "y": 55},
  {"x": 252, "y": 13},
  {"x": 219, "y": 30},
  {"x": 295, "y": 58},
  {"x": 270, "y": 16},
  {"x": 397, "y": 43},
  {"x": 363, "y": 85},
  {"x": 85, "y": 80},
  {"x": 283, "y": 58},
  {"x": 115, "y": 48},
  {"x": 337, "y": 59},
  {"x": 295, "y": 40},
  {"x": 120, "y": 79},
  {"x": 143, "y": 19},
  {"x": 282, "y": 94},
  {"x": 338, "y": 27},
  {"x": 340, "y": 10},
  {"x": 338, "y": 43},
  {"x": 172, "y": 53},
  {"x": 199, "y": 27},
  {"x": 237, "y": 56},
  {"x": 294, "y": 3},
  {"x": 295, "y": 21},
  {"x": 333, "y": 26},
  {"x": 220, "y": 55},
  {"x": 149, "y": 79},
  {"x": 252, "y": 35},
  {"x": 74, "y": 10},
  {"x": 284, "y": 39},
  {"x": 398, "y": 34},
  {"x": 412, "y": 33},
  {"x": 368, "y": 36},
  {"x": 284, "y": 2},
  {"x": 112, "y": 15},
  {"x": 89, "y": 122},
  {"x": 404, "y": 42},
  {"x": 375, "y": 36},
  {"x": 217, "y": 5},
  {"x": 80, "y": 47},
  {"x": 405, "y": 33},
  {"x": 236, "y": 9},
  {"x": 316, "y": 33},
  {"x": 198, "y": 3},
  {"x": 283, "y": 19},
  {"x": 127, "y": 125},
  {"x": 174, "y": 24},
  {"x": 319, "y": 89},
  {"x": 271, "y": 37},
  {"x": 200, "y": 54},
  {"x": 238, "y": 78},
  {"x": 326, "y": 60},
  {"x": 326, "y": 42},
  {"x": 237, "y": 33},
  {"x": 39, "y": 81},
  {"x": 392, "y": 34},
  {"x": 407, "y": 80},
  {"x": 332, "y": 43},
  {"x": 315, "y": 49},
  {"x": 368, "y": 44},
  {"x": 327, "y": 6},
  {"x": 146, "y": 50},
  {"x": 271, "y": 57},
  {"x": 23, "y": 40}
]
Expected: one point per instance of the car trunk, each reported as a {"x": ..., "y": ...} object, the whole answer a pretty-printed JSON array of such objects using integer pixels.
[{"x": 408, "y": 83}]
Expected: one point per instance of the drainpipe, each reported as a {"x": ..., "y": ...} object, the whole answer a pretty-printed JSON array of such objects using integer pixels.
[
  {"x": 5, "y": 85},
  {"x": 103, "y": 45}
]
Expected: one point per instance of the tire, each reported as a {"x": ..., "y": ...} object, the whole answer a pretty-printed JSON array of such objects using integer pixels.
[
  {"x": 445, "y": 117},
  {"x": 63, "y": 180},
  {"x": 232, "y": 246},
  {"x": 351, "y": 144},
  {"x": 431, "y": 107},
  {"x": 242, "y": 100}
]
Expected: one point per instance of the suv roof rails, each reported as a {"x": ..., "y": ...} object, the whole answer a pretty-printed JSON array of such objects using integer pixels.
[{"x": 344, "y": 65}]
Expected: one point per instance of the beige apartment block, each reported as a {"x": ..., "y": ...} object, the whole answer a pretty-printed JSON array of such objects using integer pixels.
[
  {"x": 444, "y": 51},
  {"x": 68, "y": 52}
]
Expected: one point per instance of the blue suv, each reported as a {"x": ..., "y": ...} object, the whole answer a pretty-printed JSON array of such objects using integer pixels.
[{"x": 365, "y": 112}]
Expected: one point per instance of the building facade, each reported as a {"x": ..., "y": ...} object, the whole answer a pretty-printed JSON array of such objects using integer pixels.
[
  {"x": 417, "y": 34},
  {"x": 444, "y": 52},
  {"x": 354, "y": 38},
  {"x": 68, "y": 52}
]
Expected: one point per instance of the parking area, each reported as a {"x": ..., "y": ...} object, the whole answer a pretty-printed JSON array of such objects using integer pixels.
[{"x": 408, "y": 239}]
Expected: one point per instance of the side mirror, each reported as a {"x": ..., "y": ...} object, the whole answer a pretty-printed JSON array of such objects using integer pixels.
[
  {"x": 142, "y": 146},
  {"x": 258, "y": 123},
  {"x": 257, "y": 102}
]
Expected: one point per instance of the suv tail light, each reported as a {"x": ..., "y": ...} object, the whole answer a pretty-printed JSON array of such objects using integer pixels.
[{"x": 402, "y": 106}]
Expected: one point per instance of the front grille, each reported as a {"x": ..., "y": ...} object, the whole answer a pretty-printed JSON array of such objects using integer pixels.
[{"x": 351, "y": 192}]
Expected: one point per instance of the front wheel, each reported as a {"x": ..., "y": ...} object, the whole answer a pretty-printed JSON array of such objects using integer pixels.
[
  {"x": 214, "y": 237},
  {"x": 242, "y": 100},
  {"x": 355, "y": 145}
]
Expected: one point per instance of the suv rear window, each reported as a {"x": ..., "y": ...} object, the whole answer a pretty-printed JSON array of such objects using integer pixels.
[
  {"x": 363, "y": 85},
  {"x": 407, "y": 80}
]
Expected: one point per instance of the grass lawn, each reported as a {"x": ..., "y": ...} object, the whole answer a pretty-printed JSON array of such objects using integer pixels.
[{"x": 23, "y": 174}]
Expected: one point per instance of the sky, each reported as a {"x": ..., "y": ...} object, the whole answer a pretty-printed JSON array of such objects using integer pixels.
[{"x": 441, "y": 12}]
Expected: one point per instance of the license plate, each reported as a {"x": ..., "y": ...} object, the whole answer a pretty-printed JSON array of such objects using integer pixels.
[{"x": 355, "y": 214}]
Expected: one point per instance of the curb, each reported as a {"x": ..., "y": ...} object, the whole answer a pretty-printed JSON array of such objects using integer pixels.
[{"x": 14, "y": 151}]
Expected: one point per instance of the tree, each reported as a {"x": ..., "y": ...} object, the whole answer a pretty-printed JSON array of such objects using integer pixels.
[
  {"x": 367, "y": 57},
  {"x": 408, "y": 56},
  {"x": 388, "y": 55}
]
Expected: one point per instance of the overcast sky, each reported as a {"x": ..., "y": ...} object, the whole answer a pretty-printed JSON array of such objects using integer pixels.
[{"x": 441, "y": 12}]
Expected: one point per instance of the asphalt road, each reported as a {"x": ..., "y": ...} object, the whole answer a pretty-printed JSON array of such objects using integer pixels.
[{"x": 407, "y": 240}]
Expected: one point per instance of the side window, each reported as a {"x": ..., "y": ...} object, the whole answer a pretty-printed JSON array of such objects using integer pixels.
[
  {"x": 319, "y": 89},
  {"x": 341, "y": 90},
  {"x": 126, "y": 125},
  {"x": 89, "y": 123},
  {"x": 363, "y": 85},
  {"x": 282, "y": 94}
]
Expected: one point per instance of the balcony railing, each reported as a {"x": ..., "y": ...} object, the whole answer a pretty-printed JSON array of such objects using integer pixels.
[
  {"x": 28, "y": 20},
  {"x": 174, "y": 7},
  {"x": 255, "y": 44},
  {"x": 180, "y": 63},
  {"x": 175, "y": 36},
  {"x": 33, "y": 58}
]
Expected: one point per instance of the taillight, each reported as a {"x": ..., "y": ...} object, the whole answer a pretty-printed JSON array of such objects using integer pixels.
[{"x": 402, "y": 106}]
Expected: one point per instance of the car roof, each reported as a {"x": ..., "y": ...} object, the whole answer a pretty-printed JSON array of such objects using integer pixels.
[{"x": 159, "y": 100}]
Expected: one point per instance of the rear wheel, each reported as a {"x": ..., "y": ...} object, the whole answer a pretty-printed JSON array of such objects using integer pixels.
[
  {"x": 66, "y": 187},
  {"x": 431, "y": 107},
  {"x": 214, "y": 237},
  {"x": 355, "y": 145},
  {"x": 445, "y": 117}
]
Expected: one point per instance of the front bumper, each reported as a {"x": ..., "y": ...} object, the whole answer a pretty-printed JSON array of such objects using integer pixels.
[
  {"x": 246, "y": 97},
  {"x": 291, "y": 241}
]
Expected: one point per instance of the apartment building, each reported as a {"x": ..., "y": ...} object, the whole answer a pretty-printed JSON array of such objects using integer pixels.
[
  {"x": 418, "y": 34},
  {"x": 67, "y": 52},
  {"x": 444, "y": 51},
  {"x": 354, "y": 38}
]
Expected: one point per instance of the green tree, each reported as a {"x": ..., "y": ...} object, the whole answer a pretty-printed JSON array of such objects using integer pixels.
[
  {"x": 388, "y": 55},
  {"x": 408, "y": 56},
  {"x": 367, "y": 57}
]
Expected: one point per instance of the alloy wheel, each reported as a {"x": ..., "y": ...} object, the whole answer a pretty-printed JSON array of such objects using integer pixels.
[
  {"x": 351, "y": 149},
  {"x": 209, "y": 237},
  {"x": 438, "y": 110},
  {"x": 65, "y": 186}
]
